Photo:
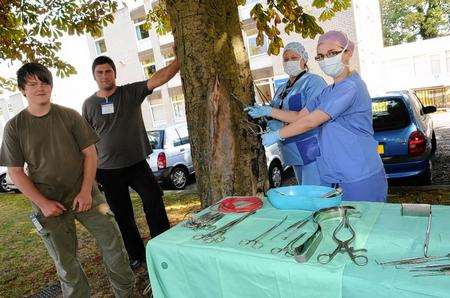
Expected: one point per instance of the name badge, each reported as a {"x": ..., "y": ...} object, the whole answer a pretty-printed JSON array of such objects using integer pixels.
[{"x": 107, "y": 108}]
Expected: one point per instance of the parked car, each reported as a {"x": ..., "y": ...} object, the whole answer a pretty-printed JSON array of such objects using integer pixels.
[
  {"x": 275, "y": 165},
  {"x": 6, "y": 185},
  {"x": 171, "y": 160},
  {"x": 405, "y": 135}
]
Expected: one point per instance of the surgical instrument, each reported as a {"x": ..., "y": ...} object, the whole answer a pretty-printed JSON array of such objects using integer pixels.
[
  {"x": 334, "y": 212},
  {"x": 288, "y": 248},
  {"x": 257, "y": 243},
  {"x": 343, "y": 246},
  {"x": 299, "y": 226},
  {"x": 296, "y": 224},
  {"x": 435, "y": 266},
  {"x": 256, "y": 126},
  {"x": 419, "y": 210},
  {"x": 304, "y": 252},
  {"x": 432, "y": 271},
  {"x": 204, "y": 221},
  {"x": 218, "y": 234},
  {"x": 416, "y": 260},
  {"x": 332, "y": 193}
]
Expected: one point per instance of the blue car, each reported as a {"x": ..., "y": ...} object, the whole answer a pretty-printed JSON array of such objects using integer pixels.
[{"x": 405, "y": 135}]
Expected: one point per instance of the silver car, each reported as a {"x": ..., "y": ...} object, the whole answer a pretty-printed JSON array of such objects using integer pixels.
[
  {"x": 6, "y": 185},
  {"x": 171, "y": 160},
  {"x": 275, "y": 164}
]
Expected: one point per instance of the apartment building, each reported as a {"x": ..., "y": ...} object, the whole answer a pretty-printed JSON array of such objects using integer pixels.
[
  {"x": 10, "y": 105},
  {"x": 138, "y": 53}
]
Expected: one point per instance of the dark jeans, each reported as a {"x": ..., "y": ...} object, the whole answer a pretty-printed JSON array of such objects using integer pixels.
[{"x": 115, "y": 185}]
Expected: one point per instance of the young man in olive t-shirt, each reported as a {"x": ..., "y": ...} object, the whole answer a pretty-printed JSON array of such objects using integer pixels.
[
  {"x": 115, "y": 114},
  {"x": 57, "y": 145}
]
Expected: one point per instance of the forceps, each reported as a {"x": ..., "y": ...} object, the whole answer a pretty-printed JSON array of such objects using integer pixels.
[
  {"x": 254, "y": 126},
  {"x": 413, "y": 261},
  {"x": 218, "y": 235},
  {"x": 296, "y": 225},
  {"x": 288, "y": 248},
  {"x": 205, "y": 221},
  {"x": 256, "y": 243},
  {"x": 432, "y": 270},
  {"x": 343, "y": 246}
]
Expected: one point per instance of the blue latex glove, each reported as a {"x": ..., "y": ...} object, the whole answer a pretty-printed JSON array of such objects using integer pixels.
[
  {"x": 259, "y": 111},
  {"x": 270, "y": 138},
  {"x": 274, "y": 125}
]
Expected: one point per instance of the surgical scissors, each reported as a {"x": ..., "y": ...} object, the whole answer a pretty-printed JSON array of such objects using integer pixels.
[
  {"x": 256, "y": 243},
  {"x": 288, "y": 248},
  {"x": 343, "y": 246}
]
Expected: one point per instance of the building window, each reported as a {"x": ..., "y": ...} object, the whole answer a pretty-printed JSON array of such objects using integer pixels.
[
  {"x": 447, "y": 58},
  {"x": 149, "y": 67},
  {"x": 420, "y": 65},
  {"x": 100, "y": 46},
  {"x": 435, "y": 65},
  {"x": 158, "y": 115},
  {"x": 255, "y": 50},
  {"x": 179, "y": 111},
  {"x": 264, "y": 90},
  {"x": 141, "y": 32},
  {"x": 169, "y": 56}
]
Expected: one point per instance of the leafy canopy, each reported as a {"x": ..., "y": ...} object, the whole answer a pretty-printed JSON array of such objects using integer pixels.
[
  {"x": 410, "y": 20},
  {"x": 268, "y": 18},
  {"x": 30, "y": 30}
]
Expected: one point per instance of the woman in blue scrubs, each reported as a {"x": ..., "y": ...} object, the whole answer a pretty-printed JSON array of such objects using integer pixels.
[
  {"x": 343, "y": 114},
  {"x": 299, "y": 151}
]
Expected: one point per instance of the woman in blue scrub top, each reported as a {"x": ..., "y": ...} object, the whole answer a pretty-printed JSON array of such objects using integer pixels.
[
  {"x": 343, "y": 114},
  {"x": 299, "y": 151}
]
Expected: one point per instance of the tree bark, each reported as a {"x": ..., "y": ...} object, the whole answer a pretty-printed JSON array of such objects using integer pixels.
[{"x": 228, "y": 158}]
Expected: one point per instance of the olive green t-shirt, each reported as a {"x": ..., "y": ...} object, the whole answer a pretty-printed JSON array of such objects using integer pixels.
[
  {"x": 51, "y": 147},
  {"x": 123, "y": 139}
]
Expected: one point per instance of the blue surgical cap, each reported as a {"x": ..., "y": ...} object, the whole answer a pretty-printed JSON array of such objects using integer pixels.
[{"x": 297, "y": 48}]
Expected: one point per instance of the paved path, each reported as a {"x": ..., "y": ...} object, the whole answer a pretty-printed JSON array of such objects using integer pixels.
[{"x": 441, "y": 162}]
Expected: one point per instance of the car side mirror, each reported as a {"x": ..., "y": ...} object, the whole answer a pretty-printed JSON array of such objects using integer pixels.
[{"x": 429, "y": 109}]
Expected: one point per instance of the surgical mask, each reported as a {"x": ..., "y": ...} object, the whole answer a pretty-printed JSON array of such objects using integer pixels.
[
  {"x": 333, "y": 66},
  {"x": 292, "y": 68}
]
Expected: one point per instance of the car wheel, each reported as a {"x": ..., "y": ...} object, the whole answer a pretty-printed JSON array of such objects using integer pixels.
[
  {"x": 433, "y": 143},
  {"x": 425, "y": 177},
  {"x": 178, "y": 178},
  {"x": 275, "y": 174},
  {"x": 3, "y": 185}
]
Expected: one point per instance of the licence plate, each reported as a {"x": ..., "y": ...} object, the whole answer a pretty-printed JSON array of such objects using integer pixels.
[{"x": 380, "y": 149}]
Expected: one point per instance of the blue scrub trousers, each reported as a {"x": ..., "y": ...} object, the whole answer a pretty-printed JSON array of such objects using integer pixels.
[
  {"x": 372, "y": 189},
  {"x": 307, "y": 174}
]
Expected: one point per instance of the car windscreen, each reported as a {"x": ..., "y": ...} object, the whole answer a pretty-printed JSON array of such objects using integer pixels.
[
  {"x": 389, "y": 113},
  {"x": 156, "y": 138}
]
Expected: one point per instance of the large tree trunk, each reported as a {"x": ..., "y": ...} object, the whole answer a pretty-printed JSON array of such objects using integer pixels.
[{"x": 228, "y": 158}]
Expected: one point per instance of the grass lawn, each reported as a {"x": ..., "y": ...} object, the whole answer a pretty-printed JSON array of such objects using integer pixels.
[{"x": 25, "y": 266}]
